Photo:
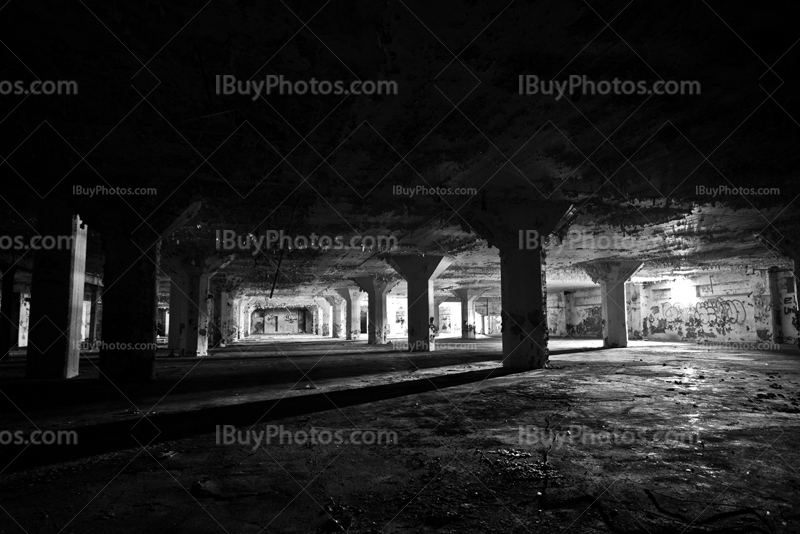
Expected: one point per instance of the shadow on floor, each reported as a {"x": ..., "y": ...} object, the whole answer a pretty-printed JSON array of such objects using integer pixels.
[{"x": 134, "y": 433}]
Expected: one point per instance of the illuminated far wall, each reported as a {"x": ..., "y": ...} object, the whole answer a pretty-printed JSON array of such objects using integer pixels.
[
  {"x": 280, "y": 321},
  {"x": 743, "y": 306},
  {"x": 755, "y": 306}
]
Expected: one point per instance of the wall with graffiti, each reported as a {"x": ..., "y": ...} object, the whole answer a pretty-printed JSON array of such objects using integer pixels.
[
  {"x": 786, "y": 309},
  {"x": 719, "y": 307},
  {"x": 583, "y": 313},
  {"x": 748, "y": 306}
]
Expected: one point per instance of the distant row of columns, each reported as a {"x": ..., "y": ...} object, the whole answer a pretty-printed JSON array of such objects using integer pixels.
[{"x": 130, "y": 298}]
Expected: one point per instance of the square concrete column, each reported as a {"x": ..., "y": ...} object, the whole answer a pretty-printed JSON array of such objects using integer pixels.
[
  {"x": 130, "y": 307},
  {"x": 637, "y": 308},
  {"x": 205, "y": 312},
  {"x": 377, "y": 292},
  {"x": 178, "y": 310},
  {"x": 246, "y": 311},
  {"x": 612, "y": 276},
  {"x": 468, "y": 296},
  {"x": 352, "y": 299},
  {"x": 325, "y": 306},
  {"x": 337, "y": 311},
  {"x": 191, "y": 326},
  {"x": 57, "y": 297},
  {"x": 437, "y": 301},
  {"x": 228, "y": 317},
  {"x": 237, "y": 317},
  {"x": 519, "y": 228},
  {"x": 420, "y": 272},
  {"x": 196, "y": 292},
  {"x": 314, "y": 315},
  {"x": 93, "y": 315},
  {"x": 524, "y": 309},
  {"x": 24, "y": 318}
]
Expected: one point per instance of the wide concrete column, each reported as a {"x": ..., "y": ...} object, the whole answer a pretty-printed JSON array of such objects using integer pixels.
[
  {"x": 352, "y": 312},
  {"x": 468, "y": 296},
  {"x": 24, "y": 318},
  {"x": 327, "y": 326},
  {"x": 9, "y": 313},
  {"x": 130, "y": 288},
  {"x": 178, "y": 310},
  {"x": 130, "y": 308},
  {"x": 94, "y": 317},
  {"x": 612, "y": 275},
  {"x": 420, "y": 272},
  {"x": 337, "y": 311},
  {"x": 190, "y": 328},
  {"x": 519, "y": 228},
  {"x": 57, "y": 297},
  {"x": 437, "y": 301},
  {"x": 377, "y": 319},
  {"x": 205, "y": 311},
  {"x": 228, "y": 323}
]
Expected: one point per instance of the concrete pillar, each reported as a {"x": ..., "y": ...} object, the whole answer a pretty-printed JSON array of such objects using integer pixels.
[
  {"x": 612, "y": 275},
  {"x": 246, "y": 312},
  {"x": 178, "y": 311},
  {"x": 194, "y": 304},
  {"x": 437, "y": 301},
  {"x": 130, "y": 289},
  {"x": 205, "y": 312},
  {"x": 57, "y": 297},
  {"x": 24, "y": 319},
  {"x": 9, "y": 313},
  {"x": 130, "y": 307},
  {"x": 377, "y": 292},
  {"x": 228, "y": 317},
  {"x": 420, "y": 272},
  {"x": 519, "y": 227},
  {"x": 337, "y": 312},
  {"x": 468, "y": 296},
  {"x": 524, "y": 309},
  {"x": 326, "y": 321},
  {"x": 637, "y": 310},
  {"x": 237, "y": 318},
  {"x": 93, "y": 315},
  {"x": 352, "y": 313},
  {"x": 195, "y": 301}
]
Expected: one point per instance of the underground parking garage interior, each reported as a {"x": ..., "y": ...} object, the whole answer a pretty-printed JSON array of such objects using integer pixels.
[{"x": 399, "y": 266}]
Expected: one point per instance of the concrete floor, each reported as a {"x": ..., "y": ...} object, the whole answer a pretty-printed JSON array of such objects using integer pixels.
[{"x": 655, "y": 438}]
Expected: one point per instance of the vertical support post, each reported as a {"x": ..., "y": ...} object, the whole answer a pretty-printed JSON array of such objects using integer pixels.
[
  {"x": 352, "y": 313},
  {"x": 377, "y": 292},
  {"x": 57, "y": 298},
  {"x": 420, "y": 272},
  {"x": 468, "y": 296},
  {"x": 612, "y": 275}
]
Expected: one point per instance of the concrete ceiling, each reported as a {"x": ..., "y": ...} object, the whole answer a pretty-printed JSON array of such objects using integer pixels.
[{"x": 147, "y": 116}]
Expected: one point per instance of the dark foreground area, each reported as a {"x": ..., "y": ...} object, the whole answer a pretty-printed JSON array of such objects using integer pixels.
[{"x": 656, "y": 438}]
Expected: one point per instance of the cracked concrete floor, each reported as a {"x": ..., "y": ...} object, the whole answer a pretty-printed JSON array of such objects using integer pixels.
[{"x": 655, "y": 438}]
